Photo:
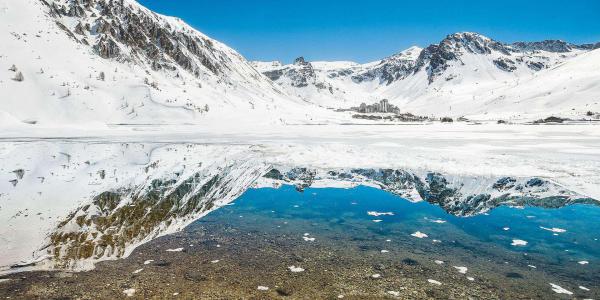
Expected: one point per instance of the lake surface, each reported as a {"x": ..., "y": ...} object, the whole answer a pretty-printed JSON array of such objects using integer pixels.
[{"x": 355, "y": 243}]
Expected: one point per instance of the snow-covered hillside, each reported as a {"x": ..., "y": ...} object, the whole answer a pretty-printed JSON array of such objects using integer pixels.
[
  {"x": 466, "y": 74},
  {"x": 117, "y": 62}
]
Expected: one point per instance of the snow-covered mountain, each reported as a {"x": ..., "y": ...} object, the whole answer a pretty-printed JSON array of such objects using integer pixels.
[
  {"x": 466, "y": 74},
  {"x": 114, "y": 61}
]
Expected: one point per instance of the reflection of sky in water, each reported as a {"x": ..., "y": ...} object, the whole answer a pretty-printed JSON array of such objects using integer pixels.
[{"x": 343, "y": 214}]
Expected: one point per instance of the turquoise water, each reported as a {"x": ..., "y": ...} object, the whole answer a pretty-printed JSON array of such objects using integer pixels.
[{"x": 570, "y": 254}]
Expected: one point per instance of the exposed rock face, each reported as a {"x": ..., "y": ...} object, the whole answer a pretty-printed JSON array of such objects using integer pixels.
[
  {"x": 395, "y": 67},
  {"x": 300, "y": 74},
  {"x": 547, "y": 45},
  {"x": 505, "y": 64},
  {"x": 124, "y": 30},
  {"x": 435, "y": 58}
]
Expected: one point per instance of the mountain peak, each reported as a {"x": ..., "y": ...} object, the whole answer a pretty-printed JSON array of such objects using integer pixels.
[{"x": 300, "y": 61}]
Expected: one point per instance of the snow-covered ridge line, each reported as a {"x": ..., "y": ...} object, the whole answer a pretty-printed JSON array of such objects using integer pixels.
[
  {"x": 120, "y": 63},
  {"x": 459, "y": 195},
  {"x": 465, "y": 74}
]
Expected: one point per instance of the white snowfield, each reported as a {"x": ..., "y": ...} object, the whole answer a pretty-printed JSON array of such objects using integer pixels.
[
  {"x": 215, "y": 135},
  {"x": 67, "y": 82}
]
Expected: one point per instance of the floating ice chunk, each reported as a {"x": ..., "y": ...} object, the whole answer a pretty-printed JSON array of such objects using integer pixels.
[
  {"x": 296, "y": 206},
  {"x": 583, "y": 288},
  {"x": 384, "y": 251},
  {"x": 419, "y": 234},
  {"x": 377, "y": 221},
  {"x": 138, "y": 270},
  {"x": 532, "y": 266},
  {"x": 560, "y": 290},
  {"x": 129, "y": 292},
  {"x": 148, "y": 261},
  {"x": 470, "y": 278},
  {"x": 175, "y": 294},
  {"x": 506, "y": 228},
  {"x": 436, "y": 241},
  {"x": 394, "y": 293},
  {"x": 295, "y": 269},
  {"x": 175, "y": 250},
  {"x": 262, "y": 288},
  {"x": 519, "y": 243},
  {"x": 554, "y": 229},
  {"x": 583, "y": 262},
  {"x": 375, "y": 276},
  {"x": 434, "y": 282},
  {"x": 377, "y": 214},
  {"x": 439, "y": 221},
  {"x": 308, "y": 239},
  {"x": 439, "y": 262},
  {"x": 215, "y": 261},
  {"x": 461, "y": 270},
  {"x": 340, "y": 297},
  {"x": 307, "y": 234},
  {"x": 388, "y": 240}
]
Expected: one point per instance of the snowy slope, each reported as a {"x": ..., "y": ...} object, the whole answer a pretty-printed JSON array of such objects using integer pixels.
[
  {"x": 117, "y": 62},
  {"x": 466, "y": 74}
]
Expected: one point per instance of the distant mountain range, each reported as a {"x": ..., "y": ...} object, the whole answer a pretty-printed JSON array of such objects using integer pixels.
[
  {"x": 114, "y": 61},
  {"x": 464, "y": 74}
]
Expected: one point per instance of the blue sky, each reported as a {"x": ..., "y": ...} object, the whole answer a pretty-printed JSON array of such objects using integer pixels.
[{"x": 366, "y": 30}]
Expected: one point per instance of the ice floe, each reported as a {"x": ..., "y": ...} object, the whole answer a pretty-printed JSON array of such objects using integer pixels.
[
  {"x": 554, "y": 229},
  {"x": 519, "y": 243},
  {"x": 439, "y": 221},
  {"x": 377, "y": 214},
  {"x": 439, "y": 262},
  {"x": 262, "y": 288},
  {"x": 175, "y": 250},
  {"x": 295, "y": 269},
  {"x": 377, "y": 221},
  {"x": 215, "y": 261},
  {"x": 583, "y": 262},
  {"x": 308, "y": 239},
  {"x": 432, "y": 281},
  {"x": 384, "y": 251},
  {"x": 560, "y": 290},
  {"x": 138, "y": 270},
  {"x": 376, "y": 276},
  {"x": 148, "y": 261},
  {"x": 470, "y": 278},
  {"x": 583, "y": 288},
  {"x": 462, "y": 270},
  {"x": 419, "y": 234},
  {"x": 506, "y": 228}
]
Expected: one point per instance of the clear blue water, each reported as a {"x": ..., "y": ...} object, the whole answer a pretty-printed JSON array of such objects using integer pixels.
[{"x": 482, "y": 243}]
